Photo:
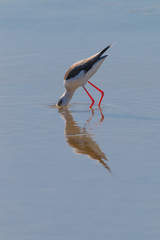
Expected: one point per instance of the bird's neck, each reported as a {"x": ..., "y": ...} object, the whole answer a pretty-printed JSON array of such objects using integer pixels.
[{"x": 67, "y": 95}]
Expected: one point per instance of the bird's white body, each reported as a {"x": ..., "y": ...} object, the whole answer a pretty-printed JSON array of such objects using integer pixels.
[
  {"x": 82, "y": 78},
  {"x": 79, "y": 74}
]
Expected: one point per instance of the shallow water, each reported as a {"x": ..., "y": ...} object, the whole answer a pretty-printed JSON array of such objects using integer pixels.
[{"x": 78, "y": 173}]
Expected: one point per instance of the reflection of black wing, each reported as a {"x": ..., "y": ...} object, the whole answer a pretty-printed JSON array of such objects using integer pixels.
[
  {"x": 85, "y": 65},
  {"x": 83, "y": 144}
]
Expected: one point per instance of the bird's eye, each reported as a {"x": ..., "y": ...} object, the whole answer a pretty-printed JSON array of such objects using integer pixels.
[{"x": 60, "y": 102}]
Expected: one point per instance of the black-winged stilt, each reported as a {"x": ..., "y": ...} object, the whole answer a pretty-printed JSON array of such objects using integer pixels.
[{"x": 79, "y": 74}]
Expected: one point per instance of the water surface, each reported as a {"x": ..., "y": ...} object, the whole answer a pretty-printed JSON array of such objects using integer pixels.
[{"x": 76, "y": 173}]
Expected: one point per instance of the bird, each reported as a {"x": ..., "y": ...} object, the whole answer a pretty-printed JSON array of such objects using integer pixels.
[{"x": 79, "y": 74}]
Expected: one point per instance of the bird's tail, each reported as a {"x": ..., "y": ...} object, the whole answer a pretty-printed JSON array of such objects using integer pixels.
[{"x": 104, "y": 50}]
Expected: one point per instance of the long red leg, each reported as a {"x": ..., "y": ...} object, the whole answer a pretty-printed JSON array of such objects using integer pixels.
[
  {"x": 102, "y": 93},
  {"x": 90, "y": 97}
]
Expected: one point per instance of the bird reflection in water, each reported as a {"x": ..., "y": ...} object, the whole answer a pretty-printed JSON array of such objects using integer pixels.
[{"x": 80, "y": 139}]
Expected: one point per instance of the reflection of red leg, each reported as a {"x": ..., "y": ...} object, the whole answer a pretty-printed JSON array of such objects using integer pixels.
[
  {"x": 90, "y": 97},
  {"x": 102, "y": 93},
  {"x": 102, "y": 116}
]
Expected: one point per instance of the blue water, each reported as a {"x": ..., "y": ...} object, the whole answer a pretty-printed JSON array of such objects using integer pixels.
[{"x": 77, "y": 173}]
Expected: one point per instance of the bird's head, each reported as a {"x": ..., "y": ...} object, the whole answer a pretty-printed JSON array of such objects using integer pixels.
[
  {"x": 65, "y": 99},
  {"x": 62, "y": 102}
]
